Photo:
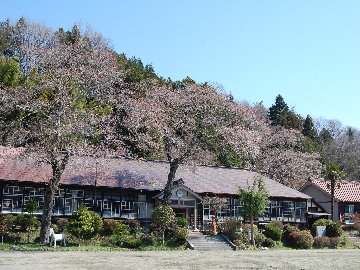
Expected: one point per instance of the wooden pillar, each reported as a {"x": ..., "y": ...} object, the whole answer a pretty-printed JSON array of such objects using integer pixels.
[{"x": 195, "y": 217}]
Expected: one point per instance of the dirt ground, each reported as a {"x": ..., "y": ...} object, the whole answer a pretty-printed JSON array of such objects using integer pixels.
[{"x": 189, "y": 259}]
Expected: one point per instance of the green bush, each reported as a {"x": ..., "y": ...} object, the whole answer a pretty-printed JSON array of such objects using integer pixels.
[
  {"x": 230, "y": 226},
  {"x": 319, "y": 222},
  {"x": 268, "y": 243},
  {"x": 131, "y": 242},
  {"x": 122, "y": 229},
  {"x": 259, "y": 239},
  {"x": 62, "y": 224},
  {"x": 181, "y": 222},
  {"x": 286, "y": 234},
  {"x": 302, "y": 239},
  {"x": 321, "y": 242},
  {"x": 163, "y": 218},
  {"x": 12, "y": 237},
  {"x": 179, "y": 234},
  {"x": 273, "y": 231},
  {"x": 26, "y": 222},
  {"x": 85, "y": 224},
  {"x": 149, "y": 238},
  {"x": 109, "y": 226},
  {"x": 334, "y": 230}
]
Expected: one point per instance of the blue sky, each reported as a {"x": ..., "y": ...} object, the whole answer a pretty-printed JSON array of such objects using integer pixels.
[{"x": 308, "y": 51}]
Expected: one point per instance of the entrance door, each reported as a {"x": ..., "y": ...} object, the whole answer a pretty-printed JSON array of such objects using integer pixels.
[{"x": 180, "y": 212}]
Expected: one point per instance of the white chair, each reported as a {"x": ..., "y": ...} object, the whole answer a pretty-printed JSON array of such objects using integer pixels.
[{"x": 54, "y": 237}]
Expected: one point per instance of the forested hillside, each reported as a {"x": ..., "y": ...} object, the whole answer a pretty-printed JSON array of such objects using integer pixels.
[{"x": 67, "y": 92}]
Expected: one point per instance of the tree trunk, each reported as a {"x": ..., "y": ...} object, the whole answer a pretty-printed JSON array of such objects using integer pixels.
[
  {"x": 58, "y": 164},
  {"x": 252, "y": 231},
  {"x": 174, "y": 165},
  {"x": 332, "y": 187},
  {"x": 47, "y": 214}
]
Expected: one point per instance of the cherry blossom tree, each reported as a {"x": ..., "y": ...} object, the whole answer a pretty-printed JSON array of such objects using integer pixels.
[
  {"x": 178, "y": 124},
  {"x": 283, "y": 159},
  {"x": 61, "y": 108}
]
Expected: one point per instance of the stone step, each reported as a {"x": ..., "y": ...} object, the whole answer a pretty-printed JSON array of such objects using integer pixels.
[{"x": 203, "y": 242}]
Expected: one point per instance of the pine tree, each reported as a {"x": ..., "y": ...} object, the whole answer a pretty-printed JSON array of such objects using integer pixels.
[
  {"x": 309, "y": 129},
  {"x": 278, "y": 110}
]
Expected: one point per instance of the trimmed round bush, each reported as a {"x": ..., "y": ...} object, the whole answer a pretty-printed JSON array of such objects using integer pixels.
[
  {"x": 334, "y": 242},
  {"x": 179, "y": 234},
  {"x": 302, "y": 239},
  {"x": 278, "y": 223},
  {"x": 62, "y": 224},
  {"x": 321, "y": 242},
  {"x": 259, "y": 239},
  {"x": 268, "y": 243},
  {"x": 134, "y": 225},
  {"x": 334, "y": 229},
  {"x": 288, "y": 229},
  {"x": 109, "y": 226},
  {"x": 273, "y": 231}
]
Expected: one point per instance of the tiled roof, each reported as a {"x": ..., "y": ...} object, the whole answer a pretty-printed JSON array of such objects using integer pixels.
[
  {"x": 346, "y": 191},
  {"x": 140, "y": 174}
]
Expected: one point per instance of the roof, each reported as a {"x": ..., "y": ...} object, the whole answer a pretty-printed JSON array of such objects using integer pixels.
[
  {"x": 346, "y": 191},
  {"x": 141, "y": 175}
]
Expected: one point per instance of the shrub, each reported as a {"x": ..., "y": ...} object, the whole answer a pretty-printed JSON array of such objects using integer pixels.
[
  {"x": 163, "y": 217},
  {"x": 85, "y": 224},
  {"x": 319, "y": 222},
  {"x": 302, "y": 239},
  {"x": 321, "y": 242},
  {"x": 268, "y": 243},
  {"x": 288, "y": 229},
  {"x": 273, "y": 231},
  {"x": 278, "y": 223},
  {"x": 12, "y": 237},
  {"x": 356, "y": 218},
  {"x": 259, "y": 239},
  {"x": 5, "y": 226},
  {"x": 122, "y": 229},
  {"x": 181, "y": 222},
  {"x": 55, "y": 227},
  {"x": 27, "y": 222},
  {"x": 240, "y": 244},
  {"x": 149, "y": 238},
  {"x": 333, "y": 229},
  {"x": 230, "y": 226},
  {"x": 247, "y": 227},
  {"x": 131, "y": 242},
  {"x": 109, "y": 226},
  {"x": 134, "y": 225},
  {"x": 179, "y": 234},
  {"x": 62, "y": 224},
  {"x": 334, "y": 242}
]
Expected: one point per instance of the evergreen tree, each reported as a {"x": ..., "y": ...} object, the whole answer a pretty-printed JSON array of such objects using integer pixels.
[
  {"x": 309, "y": 128},
  {"x": 278, "y": 110},
  {"x": 325, "y": 136}
]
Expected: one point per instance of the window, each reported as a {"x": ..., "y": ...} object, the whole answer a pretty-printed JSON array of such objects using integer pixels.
[
  {"x": 349, "y": 208},
  {"x": 349, "y": 211}
]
